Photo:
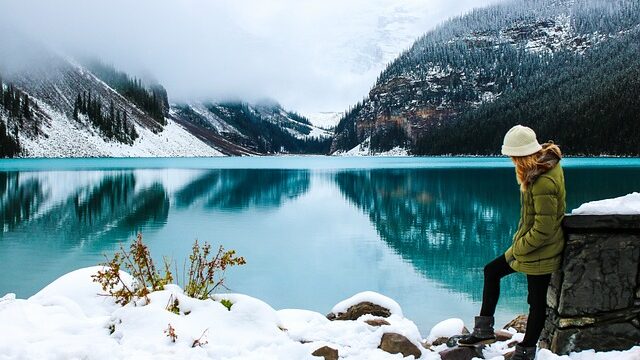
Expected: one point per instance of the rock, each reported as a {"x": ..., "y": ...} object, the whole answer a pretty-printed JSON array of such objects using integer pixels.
[
  {"x": 398, "y": 344},
  {"x": 327, "y": 352},
  {"x": 453, "y": 341},
  {"x": 593, "y": 299},
  {"x": 503, "y": 335},
  {"x": 440, "y": 341},
  {"x": 519, "y": 323},
  {"x": 572, "y": 322},
  {"x": 508, "y": 355},
  {"x": 599, "y": 275},
  {"x": 357, "y": 310},
  {"x": 604, "y": 337},
  {"x": 461, "y": 353},
  {"x": 377, "y": 322}
]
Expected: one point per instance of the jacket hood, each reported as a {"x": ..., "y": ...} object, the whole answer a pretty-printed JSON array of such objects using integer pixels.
[{"x": 549, "y": 157}]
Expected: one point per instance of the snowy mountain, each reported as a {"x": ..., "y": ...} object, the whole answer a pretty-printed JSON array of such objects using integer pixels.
[
  {"x": 261, "y": 128},
  {"x": 53, "y": 106},
  {"x": 531, "y": 62}
]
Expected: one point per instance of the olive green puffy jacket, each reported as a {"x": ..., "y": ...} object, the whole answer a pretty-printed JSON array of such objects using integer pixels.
[{"x": 538, "y": 243}]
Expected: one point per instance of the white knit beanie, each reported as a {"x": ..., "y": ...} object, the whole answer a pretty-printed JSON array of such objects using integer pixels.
[{"x": 520, "y": 141}]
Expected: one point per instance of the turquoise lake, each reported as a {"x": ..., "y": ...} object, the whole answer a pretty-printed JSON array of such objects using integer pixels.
[{"x": 314, "y": 230}]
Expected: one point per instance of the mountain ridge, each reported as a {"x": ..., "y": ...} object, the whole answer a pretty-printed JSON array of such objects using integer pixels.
[{"x": 436, "y": 95}]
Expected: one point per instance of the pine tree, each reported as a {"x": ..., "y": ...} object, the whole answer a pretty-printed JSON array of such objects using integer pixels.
[
  {"x": 119, "y": 123},
  {"x": 76, "y": 106},
  {"x": 26, "y": 108}
]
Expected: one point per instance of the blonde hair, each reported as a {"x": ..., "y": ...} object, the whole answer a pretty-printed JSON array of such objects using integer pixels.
[{"x": 528, "y": 167}]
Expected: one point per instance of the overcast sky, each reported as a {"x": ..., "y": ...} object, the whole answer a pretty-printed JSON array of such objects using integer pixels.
[{"x": 315, "y": 55}]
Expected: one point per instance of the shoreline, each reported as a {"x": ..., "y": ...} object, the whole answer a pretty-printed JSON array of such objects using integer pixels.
[{"x": 70, "y": 318}]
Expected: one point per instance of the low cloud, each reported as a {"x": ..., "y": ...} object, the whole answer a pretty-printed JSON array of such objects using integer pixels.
[{"x": 314, "y": 55}]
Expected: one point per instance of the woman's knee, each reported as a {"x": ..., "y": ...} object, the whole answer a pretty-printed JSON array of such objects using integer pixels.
[{"x": 491, "y": 271}]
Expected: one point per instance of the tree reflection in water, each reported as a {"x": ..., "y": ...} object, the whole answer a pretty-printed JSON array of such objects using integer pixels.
[
  {"x": 447, "y": 222},
  {"x": 19, "y": 200},
  {"x": 241, "y": 188},
  {"x": 112, "y": 209},
  {"x": 450, "y": 222}
]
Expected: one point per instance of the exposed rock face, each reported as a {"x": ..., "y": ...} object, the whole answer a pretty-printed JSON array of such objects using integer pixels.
[
  {"x": 357, "y": 310},
  {"x": 593, "y": 300},
  {"x": 398, "y": 344},
  {"x": 327, "y": 352}
]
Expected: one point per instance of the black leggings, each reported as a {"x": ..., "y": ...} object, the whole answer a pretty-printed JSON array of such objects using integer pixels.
[{"x": 537, "y": 299}]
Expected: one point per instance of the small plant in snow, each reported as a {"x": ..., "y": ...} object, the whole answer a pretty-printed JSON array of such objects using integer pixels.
[
  {"x": 138, "y": 262},
  {"x": 200, "y": 341},
  {"x": 206, "y": 273},
  {"x": 206, "y": 270},
  {"x": 173, "y": 305},
  {"x": 227, "y": 303},
  {"x": 171, "y": 333}
]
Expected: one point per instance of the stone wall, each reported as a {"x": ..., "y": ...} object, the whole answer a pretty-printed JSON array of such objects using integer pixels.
[{"x": 594, "y": 299}]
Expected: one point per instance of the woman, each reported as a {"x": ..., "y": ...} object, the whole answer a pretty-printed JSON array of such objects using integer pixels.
[{"x": 537, "y": 245}]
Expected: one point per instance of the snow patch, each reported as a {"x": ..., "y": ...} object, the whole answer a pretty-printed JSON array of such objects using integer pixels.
[
  {"x": 446, "y": 328},
  {"x": 623, "y": 205},
  {"x": 368, "y": 296},
  {"x": 67, "y": 138},
  {"x": 324, "y": 119},
  {"x": 364, "y": 149}
]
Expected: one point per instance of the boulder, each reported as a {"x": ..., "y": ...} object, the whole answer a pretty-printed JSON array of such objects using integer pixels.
[
  {"x": 398, "y": 344},
  {"x": 377, "y": 322},
  {"x": 503, "y": 335},
  {"x": 357, "y": 310},
  {"x": 327, "y": 352},
  {"x": 461, "y": 353},
  {"x": 519, "y": 323},
  {"x": 440, "y": 341}
]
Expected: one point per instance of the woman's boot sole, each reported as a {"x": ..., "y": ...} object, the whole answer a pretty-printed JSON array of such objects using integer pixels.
[{"x": 483, "y": 342}]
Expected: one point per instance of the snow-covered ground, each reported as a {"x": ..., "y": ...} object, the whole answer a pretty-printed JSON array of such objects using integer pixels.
[
  {"x": 324, "y": 119},
  {"x": 364, "y": 149},
  {"x": 624, "y": 205},
  {"x": 70, "y": 319},
  {"x": 66, "y": 138}
]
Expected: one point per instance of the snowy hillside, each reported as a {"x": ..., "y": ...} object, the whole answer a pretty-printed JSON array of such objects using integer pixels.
[
  {"x": 480, "y": 64},
  {"x": 260, "y": 128},
  {"x": 63, "y": 138},
  {"x": 55, "y": 107},
  {"x": 324, "y": 119}
]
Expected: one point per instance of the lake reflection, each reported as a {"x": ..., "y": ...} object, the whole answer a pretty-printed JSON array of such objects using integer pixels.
[{"x": 312, "y": 236}]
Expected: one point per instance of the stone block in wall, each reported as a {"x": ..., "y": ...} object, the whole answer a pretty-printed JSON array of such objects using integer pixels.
[
  {"x": 604, "y": 337},
  {"x": 599, "y": 272},
  {"x": 593, "y": 301}
]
